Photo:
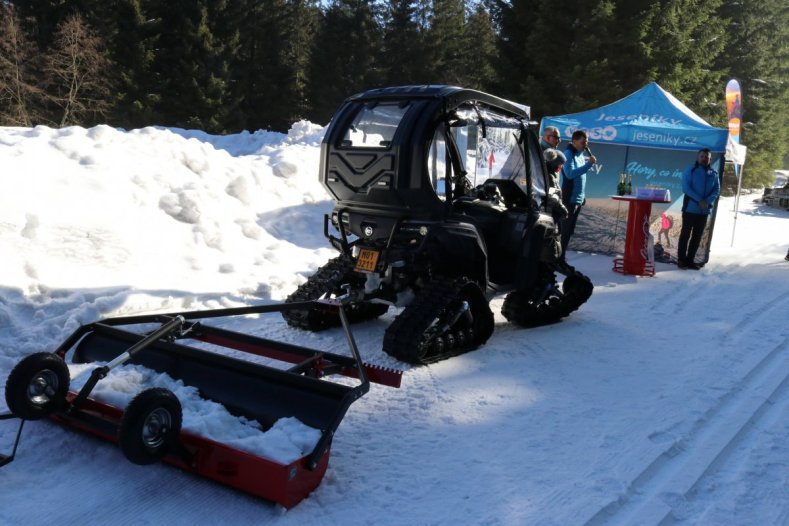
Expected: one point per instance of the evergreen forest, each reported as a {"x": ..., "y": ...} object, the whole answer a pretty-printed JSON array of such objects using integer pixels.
[{"x": 228, "y": 65}]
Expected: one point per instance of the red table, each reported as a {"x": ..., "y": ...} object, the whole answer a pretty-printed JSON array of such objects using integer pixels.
[{"x": 635, "y": 262}]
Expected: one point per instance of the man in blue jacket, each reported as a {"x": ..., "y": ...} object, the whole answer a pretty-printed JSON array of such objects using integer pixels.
[
  {"x": 701, "y": 186},
  {"x": 574, "y": 182}
]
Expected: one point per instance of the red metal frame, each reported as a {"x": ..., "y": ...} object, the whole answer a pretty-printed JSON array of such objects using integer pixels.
[
  {"x": 285, "y": 484},
  {"x": 375, "y": 373}
]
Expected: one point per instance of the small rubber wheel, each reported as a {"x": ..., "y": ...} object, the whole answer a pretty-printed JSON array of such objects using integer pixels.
[
  {"x": 37, "y": 386},
  {"x": 150, "y": 426}
]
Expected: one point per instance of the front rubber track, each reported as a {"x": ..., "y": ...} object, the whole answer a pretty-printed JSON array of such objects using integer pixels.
[
  {"x": 328, "y": 280},
  {"x": 527, "y": 308}
]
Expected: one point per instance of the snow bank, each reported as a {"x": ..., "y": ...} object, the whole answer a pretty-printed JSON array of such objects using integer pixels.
[{"x": 135, "y": 208}]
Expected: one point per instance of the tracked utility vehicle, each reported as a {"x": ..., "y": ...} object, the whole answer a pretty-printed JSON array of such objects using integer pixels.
[{"x": 442, "y": 202}]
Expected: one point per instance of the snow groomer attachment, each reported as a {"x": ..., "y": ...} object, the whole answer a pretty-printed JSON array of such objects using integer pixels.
[{"x": 260, "y": 391}]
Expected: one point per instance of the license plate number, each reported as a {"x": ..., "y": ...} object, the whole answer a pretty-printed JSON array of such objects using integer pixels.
[{"x": 367, "y": 260}]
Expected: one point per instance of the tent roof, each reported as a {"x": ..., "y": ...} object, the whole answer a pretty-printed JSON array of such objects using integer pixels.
[{"x": 650, "y": 117}]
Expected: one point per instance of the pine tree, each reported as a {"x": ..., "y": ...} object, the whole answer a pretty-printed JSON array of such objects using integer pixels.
[
  {"x": 405, "y": 58},
  {"x": 446, "y": 37},
  {"x": 578, "y": 55},
  {"x": 191, "y": 65},
  {"x": 254, "y": 65},
  {"x": 344, "y": 58},
  {"x": 628, "y": 49},
  {"x": 589, "y": 79},
  {"x": 226, "y": 42},
  {"x": 758, "y": 56},
  {"x": 574, "y": 50},
  {"x": 480, "y": 57},
  {"x": 99, "y": 15},
  {"x": 516, "y": 78},
  {"x": 303, "y": 20},
  {"x": 40, "y": 18},
  {"x": 683, "y": 42},
  {"x": 271, "y": 64},
  {"x": 132, "y": 51}
]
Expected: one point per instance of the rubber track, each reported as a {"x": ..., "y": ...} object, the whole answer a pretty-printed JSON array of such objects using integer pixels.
[
  {"x": 328, "y": 279},
  {"x": 403, "y": 336},
  {"x": 521, "y": 309}
]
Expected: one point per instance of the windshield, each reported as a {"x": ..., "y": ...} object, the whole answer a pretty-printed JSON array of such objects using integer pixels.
[
  {"x": 489, "y": 146},
  {"x": 374, "y": 126}
]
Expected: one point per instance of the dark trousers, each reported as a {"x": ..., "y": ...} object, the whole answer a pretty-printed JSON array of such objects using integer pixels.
[
  {"x": 690, "y": 236},
  {"x": 660, "y": 236},
  {"x": 568, "y": 224}
]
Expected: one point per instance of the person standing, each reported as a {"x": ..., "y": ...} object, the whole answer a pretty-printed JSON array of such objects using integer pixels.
[
  {"x": 666, "y": 222},
  {"x": 550, "y": 138},
  {"x": 701, "y": 186},
  {"x": 554, "y": 161},
  {"x": 574, "y": 182}
]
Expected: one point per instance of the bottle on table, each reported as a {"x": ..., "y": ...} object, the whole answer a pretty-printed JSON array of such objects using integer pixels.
[{"x": 620, "y": 188}]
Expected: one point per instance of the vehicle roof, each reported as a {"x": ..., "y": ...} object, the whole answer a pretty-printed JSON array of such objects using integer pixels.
[{"x": 455, "y": 95}]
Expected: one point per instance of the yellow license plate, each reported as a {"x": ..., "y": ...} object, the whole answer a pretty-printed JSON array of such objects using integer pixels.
[{"x": 367, "y": 260}]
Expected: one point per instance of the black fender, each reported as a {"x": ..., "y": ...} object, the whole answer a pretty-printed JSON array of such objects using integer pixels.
[
  {"x": 457, "y": 249},
  {"x": 538, "y": 246}
]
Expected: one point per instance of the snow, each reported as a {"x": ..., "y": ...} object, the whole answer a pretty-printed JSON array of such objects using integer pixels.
[
  {"x": 662, "y": 400},
  {"x": 286, "y": 441}
]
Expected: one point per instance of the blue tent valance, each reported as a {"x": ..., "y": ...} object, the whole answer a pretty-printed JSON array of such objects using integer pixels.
[{"x": 651, "y": 118}]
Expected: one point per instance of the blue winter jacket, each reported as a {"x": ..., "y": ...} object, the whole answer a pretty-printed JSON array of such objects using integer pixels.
[
  {"x": 574, "y": 176},
  {"x": 699, "y": 183}
]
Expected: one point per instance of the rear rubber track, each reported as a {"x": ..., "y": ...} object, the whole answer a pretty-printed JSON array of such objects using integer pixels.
[{"x": 411, "y": 337}]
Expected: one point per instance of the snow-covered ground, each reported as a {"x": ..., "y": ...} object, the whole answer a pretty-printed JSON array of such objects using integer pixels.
[{"x": 662, "y": 400}]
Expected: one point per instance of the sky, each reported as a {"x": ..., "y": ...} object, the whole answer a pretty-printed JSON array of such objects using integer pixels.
[{"x": 662, "y": 400}]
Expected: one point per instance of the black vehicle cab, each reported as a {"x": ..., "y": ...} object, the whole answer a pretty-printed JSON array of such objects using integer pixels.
[{"x": 389, "y": 153}]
